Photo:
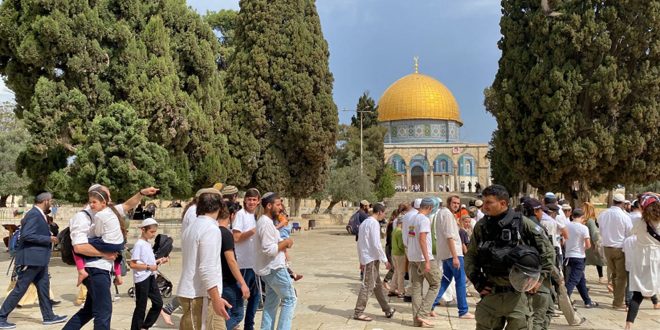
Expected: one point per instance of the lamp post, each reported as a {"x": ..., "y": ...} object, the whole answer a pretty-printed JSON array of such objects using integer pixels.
[{"x": 361, "y": 136}]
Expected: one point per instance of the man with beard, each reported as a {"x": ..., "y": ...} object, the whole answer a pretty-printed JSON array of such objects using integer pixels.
[{"x": 271, "y": 266}]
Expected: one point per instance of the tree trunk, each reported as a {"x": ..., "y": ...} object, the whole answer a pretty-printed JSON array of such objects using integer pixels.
[
  {"x": 584, "y": 194},
  {"x": 3, "y": 200},
  {"x": 329, "y": 209},
  {"x": 317, "y": 206},
  {"x": 295, "y": 210},
  {"x": 610, "y": 194}
]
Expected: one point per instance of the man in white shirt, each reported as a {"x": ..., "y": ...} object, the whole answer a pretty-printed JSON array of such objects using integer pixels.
[
  {"x": 271, "y": 266},
  {"x": 421, "y": 268},
  {"x": 98, "y": 282},
  {"x": 245, "y": 247},
  {"x": 615, "y": 226},
  {"x": 635, "y": 212},
  {"x": 201, "y": 270},
  {"x": 449, "y": 249},
  {"x": 576, "y": 245},
  {"x": 371, "y": 254},
  {"x": 478, "y": 203},
  {"x": 556, "y": 228}
]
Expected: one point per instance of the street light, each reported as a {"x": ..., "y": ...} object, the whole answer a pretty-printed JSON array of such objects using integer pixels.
[{"x": 361, "y": 136}]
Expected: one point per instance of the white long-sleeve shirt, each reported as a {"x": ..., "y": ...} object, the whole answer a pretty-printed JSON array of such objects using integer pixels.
[
  {"x": 615, "y": 225},
  {"x": 269, "y": 257},
  {"x": 201, "y": 267},
  {"x": 369, "y": 246}
]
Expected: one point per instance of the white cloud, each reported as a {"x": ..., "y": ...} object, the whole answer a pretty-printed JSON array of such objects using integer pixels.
[{"x": 5, "y": 93}]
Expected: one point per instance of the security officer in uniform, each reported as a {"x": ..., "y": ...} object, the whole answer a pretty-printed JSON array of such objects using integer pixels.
[
  {"x": 505, "y": 247},
  {"x": 542, "y": 303}
]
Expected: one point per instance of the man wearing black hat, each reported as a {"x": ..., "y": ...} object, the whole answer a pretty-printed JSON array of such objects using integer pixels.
[{"x": 489, "y": 262}]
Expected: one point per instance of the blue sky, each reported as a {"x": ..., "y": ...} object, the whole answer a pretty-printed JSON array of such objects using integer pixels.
[{"x": 373, "y": 42}]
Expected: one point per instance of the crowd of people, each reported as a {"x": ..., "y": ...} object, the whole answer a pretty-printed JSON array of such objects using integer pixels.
[
  {"x": 230, "y": 253},
  {"x": 523, "y": 262}
]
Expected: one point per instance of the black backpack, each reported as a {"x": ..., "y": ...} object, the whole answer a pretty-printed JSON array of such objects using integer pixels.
[
  {"x": 66, "y": 248},
  {"x": 354, "y": 223}
]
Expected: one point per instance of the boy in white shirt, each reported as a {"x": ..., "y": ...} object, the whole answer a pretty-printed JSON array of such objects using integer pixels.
[
  {"x": 578, "y": 241},
  {"x": 371, "y": 254}
]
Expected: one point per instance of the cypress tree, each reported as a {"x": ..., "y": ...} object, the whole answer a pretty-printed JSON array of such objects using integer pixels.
[
  {"x": 280, "y": 88},
  {"x": 576, "y": 96},
  {"x": 70, "y": 62}
]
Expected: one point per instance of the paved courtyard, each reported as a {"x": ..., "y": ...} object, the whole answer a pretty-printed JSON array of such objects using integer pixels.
[{"x": 326, "y": 295}]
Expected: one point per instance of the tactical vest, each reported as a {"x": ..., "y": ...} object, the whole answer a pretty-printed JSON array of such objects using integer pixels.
[{"x": 497, "y": 244}]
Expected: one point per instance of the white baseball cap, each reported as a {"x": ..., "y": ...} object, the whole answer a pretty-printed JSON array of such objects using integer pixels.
[
  {"x": 417, "y": 203},
  {"x": 148, "y": 222}
]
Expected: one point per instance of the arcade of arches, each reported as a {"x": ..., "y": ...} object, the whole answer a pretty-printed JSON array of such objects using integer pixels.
[{"x": 440, "y": 167}]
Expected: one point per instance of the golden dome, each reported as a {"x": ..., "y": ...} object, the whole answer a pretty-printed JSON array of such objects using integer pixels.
[{"x": 418, "y": 96}]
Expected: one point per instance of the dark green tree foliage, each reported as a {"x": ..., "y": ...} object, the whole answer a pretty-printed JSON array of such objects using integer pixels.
[
  {"x": 576, "y": 96},
  {"x": 13, "y": 137},
  {"x": 284, "y": 121},
  {"x": 369, "y": 118},
  {"x": 500, "y": 168},
  {"x": 71, "y": 61},
  {"x": 223, "y": 23},
  {"x": 117, "y": 154},
  {"x": 385, "y": 186}
]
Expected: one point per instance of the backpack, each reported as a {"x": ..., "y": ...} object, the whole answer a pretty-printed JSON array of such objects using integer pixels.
[
  {"x": 354, "y": 223},
  {"x": 14, "y": 241},
  {"x": 66, "y": 248}
]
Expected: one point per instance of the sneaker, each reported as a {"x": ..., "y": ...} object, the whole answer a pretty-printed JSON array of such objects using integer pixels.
[
  {"x": 7, "y": 325},
  {"x": 55, "y": 320}
]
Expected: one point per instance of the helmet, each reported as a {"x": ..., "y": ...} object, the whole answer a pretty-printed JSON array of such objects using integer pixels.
[{"x": 526, "y": 269}]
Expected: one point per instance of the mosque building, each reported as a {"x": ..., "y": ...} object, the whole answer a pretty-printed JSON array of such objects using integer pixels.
[{"x": 422, "y": 142}]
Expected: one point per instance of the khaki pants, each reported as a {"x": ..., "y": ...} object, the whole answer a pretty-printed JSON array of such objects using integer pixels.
[
  {"x": 616, "y": 261},
  {"x": 399, "y": 273},
  {"x": 371, "y": 282},
  {"x": 421, "y": 303},
  {"x": 192, "y": 313},
  {"x": 213, "y": 320}
]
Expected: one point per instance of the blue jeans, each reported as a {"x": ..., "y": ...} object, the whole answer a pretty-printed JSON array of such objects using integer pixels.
[
  {"x": 98, "y": 303},
  {"x": 279, "y": 288},
  {"x": 575, "y": 277},
  {"x": 26, "y": 275},
  {"x": 233, "y": 295},
  {"x": 449, "y": 273},
  {"x": 253, "y": 302}
]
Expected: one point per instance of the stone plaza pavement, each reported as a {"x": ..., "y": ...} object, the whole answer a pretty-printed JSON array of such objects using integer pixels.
[{"x": 326, "y": 295}]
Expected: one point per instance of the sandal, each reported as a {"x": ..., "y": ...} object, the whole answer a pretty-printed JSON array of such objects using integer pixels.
[
  {"x": 390, "y": 313},
  {"x": 392, "y": 294},
  {"x": 422, "y": 323},
  {"x": 363, "y": 317},
  {"x": 592, "y": 305}
]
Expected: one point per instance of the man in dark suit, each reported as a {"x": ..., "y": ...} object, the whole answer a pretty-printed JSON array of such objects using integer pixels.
[{"x": 32, "y": 258}]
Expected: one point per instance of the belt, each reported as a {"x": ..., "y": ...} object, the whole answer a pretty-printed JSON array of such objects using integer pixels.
[{"x": 503, "y": 289}]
